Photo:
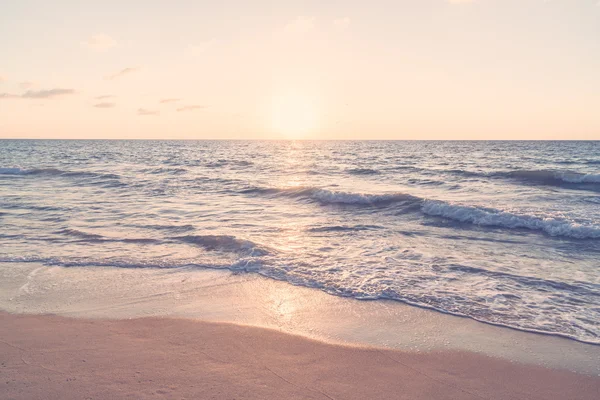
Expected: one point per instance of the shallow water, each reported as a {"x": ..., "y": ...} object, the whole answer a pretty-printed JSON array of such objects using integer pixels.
[{"x": 503, "y": 232}]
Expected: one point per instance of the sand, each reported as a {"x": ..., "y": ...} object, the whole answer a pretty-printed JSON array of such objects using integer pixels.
[
  {"x": 249, "y": 299},
  {"x": 52, "y": 357}
]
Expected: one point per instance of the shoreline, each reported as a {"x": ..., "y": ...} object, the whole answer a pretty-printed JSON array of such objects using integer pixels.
[
  {"x": 48, "y": 356},
  {"x": 251, "y": 300}
]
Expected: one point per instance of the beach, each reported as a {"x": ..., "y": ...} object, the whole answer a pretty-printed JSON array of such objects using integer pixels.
[
  {"x": 341, "y": 270},
  {"x": 219, "y": 335},
  {"x": 285, "y": 200},
  {"x": 51, "y": 357}
]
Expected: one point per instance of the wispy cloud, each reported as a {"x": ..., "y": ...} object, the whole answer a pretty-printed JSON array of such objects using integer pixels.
[
  {"x": 460, "y": 1},
  {"x": 46, "y": 94},
  {"x": 105, "y": 96},
  {"x": 100, "y": 42},
  {"x": 2, "y": 79},
  {"x": 191, "y": 108},
  {"x": 26, "y": 85},
  {"x": 104, "y": 105},
  {"x": 165, "y": 101},
  {"x": 38, "y": 94},
  {"x": 123, "y": 72},
  {"x": 143, "y": 111}
]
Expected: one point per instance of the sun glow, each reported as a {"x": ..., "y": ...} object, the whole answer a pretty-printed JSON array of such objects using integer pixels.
[{"x": 294, "y": 115}]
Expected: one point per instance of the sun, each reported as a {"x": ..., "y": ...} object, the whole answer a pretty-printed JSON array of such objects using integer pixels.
[{"x": 294, "y": 115}]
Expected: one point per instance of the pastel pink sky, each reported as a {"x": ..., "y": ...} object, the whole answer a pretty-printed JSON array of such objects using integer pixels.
[{"x": 397, "y": 69}]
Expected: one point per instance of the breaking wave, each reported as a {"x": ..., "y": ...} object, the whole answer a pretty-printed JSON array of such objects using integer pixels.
[
  {"x": 503, "y": 219},
  {"x": 475, "y": 215},
  {"x": 326, "y": 196}
]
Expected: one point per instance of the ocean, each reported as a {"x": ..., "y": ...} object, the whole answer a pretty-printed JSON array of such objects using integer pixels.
[{"x": 506, "y": 233}]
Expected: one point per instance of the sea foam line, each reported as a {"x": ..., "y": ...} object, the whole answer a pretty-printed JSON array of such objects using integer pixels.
[{"x": 254, "y": 266}]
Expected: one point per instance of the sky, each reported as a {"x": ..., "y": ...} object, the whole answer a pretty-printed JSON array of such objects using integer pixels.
[{"x": 314, "y": 69}]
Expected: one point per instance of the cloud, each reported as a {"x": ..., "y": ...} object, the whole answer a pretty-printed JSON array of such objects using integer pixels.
[
  {"x": 104, "y": 105},
  {"x": 46, "y": 94},
  {"x": 190, "y": 108},
  {"x": 38, "y": 94},
  {"x": 26, "y": 85},
  {"x": 143, "y": 111},
  {"x": 104, "y": 97},
  {"x": 341, "y": 23},
  {"x": 2, "y": 79},
  {"x": 123, "y": 72},
  {"x": 164, "y": 101},
  {"x": 460, "y": 1},
  {"x": 100, "y": 42}
]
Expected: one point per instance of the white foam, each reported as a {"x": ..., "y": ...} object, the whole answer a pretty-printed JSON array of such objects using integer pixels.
[
  {"x": 491, "y": 217},
  {"x": 577, "y": 177},
  {"x": 333, "y": 197}
]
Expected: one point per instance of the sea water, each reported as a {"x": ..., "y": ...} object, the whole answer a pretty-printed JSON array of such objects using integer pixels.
[{"x": 506, "y": 233}]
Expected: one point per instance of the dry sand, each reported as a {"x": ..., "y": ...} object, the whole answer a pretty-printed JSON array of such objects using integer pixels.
[{"x": 51, "y": 357}]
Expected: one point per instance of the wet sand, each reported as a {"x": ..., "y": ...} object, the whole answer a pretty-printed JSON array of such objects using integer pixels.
[
  {"x": 248, "y": 299},
  {"x": 52, "y": 357}
]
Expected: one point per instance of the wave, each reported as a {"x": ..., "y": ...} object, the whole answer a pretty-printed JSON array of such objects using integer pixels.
[
  {"x": 29, "y": 206},
  {"x": 497, "y": 218},
  {"x": 164, "y": 170},
  {"x": 296, "y": 191},
  {"x": 326, "y": 196},
  {"x": 56, "y": 172},
  {"x": 569, "y": 179},
  {"x": 95, "y": 238},
  {"x": 552, "y": 177},
  {"x": 362, "y": 171},
  {"x": 344, "y": 228},
  {"x": 475, "y": 215},
  {"x": 225, "y": 243},
  {"x": 170, "y": 228},
  {"x": 92, "y": 237},
  {"x": 339, "y": 197},
  {"x": 583, "y": 288},
  {"x": 575, "y": 293},
  {"x": 426, "y": 182},
  {"x": 232, "y": 163},
  {"x": 239, "y": 266}
]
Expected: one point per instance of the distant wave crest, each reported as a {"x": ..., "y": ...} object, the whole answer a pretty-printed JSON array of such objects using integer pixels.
[
  {"x": 55, "y": 172},
  {"x": 553, "y": 177},
  {"x": 569, "y": 179},
  {"x": 362, "y": 171}
]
